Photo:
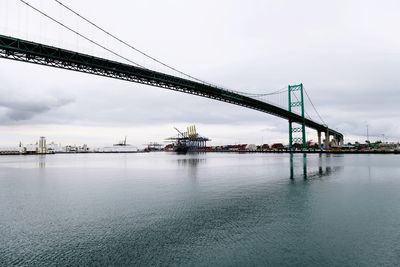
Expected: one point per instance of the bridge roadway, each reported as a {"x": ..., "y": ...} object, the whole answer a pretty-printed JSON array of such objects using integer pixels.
[{"x": 26, "y": 51}]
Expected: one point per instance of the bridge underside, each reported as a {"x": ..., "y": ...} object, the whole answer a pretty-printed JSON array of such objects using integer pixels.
[{"x": 26, "y": 51}]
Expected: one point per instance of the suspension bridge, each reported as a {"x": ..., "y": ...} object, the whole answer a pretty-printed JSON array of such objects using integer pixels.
[{"x": 42, "y": 54}]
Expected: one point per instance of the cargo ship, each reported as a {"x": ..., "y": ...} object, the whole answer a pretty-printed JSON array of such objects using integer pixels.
[
  {"x": 181, "y": 148},
  {"x": 187, "y": 141}
]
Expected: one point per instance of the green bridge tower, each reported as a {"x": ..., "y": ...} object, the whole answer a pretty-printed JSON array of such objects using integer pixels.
[{"x": 301, "y": 129}]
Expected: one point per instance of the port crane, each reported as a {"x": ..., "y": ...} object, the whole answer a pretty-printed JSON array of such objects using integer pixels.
[{"x": 189, "y": 140}]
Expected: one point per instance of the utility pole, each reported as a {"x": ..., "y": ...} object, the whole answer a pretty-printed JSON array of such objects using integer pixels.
[{"x": 367, "y": 133}]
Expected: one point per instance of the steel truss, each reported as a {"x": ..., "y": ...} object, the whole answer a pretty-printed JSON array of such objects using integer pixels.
[{"x": 26, "y": 51}]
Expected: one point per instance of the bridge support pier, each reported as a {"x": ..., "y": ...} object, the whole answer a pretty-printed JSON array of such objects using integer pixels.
[
  {"x": 327, "y": 137},
  {"x": 319, "y": 139},
  {"x": 340, "y": 140}
]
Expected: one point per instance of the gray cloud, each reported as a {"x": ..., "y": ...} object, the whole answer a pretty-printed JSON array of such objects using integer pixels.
[{"x": 21, "y": 109}]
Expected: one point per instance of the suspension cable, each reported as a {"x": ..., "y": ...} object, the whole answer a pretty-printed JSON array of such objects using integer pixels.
[
  {"x": 81, "y": 35},
  {"x": 132, "y": 47},
  {"x": 312, "y": 104},
  {"x": 153, "y": 58},
  {"x": 308, "y": 115},
  {"x": 128, "y": 45},
  {"x": 282, "y": 90}
]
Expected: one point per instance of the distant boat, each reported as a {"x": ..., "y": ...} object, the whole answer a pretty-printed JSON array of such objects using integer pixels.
[
  {"x": 120, "y": 147},
  {"x": 121, "y": 143}
]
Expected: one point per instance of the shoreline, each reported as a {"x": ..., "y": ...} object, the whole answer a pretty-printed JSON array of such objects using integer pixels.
[
  {"x": 221, "y": 151},
  {"x": 311, "y": 152}
]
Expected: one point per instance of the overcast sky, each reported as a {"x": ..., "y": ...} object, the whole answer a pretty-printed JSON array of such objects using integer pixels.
[{"x": 346, "y": 53}]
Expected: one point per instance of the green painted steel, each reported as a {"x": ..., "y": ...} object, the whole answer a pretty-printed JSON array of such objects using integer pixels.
[
  {"x": 294, "y": 104},
  {"x": 26, "y": 51},
  {"x": 290, "y": 121},
  {"x": 303, "y": 125}
]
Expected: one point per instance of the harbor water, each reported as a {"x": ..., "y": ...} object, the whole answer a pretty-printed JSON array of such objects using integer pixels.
[{"x": 213, "y": 209}]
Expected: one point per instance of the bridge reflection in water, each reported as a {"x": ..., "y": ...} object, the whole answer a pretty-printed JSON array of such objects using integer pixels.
[
  {"x": 305, "y": 166},
  {"x": 301, "y": 166}
]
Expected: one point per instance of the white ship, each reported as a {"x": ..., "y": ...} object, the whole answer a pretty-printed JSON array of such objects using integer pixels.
[{"x": 120, "y": 147}]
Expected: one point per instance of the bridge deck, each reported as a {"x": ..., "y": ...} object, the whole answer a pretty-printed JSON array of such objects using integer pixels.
[{"x": 22, "y": 50}]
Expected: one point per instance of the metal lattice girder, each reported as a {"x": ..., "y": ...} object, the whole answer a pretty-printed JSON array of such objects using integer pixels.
[
  {"x": 293, "y": 104},
  {"x": 296, "y": 104},
  {"x": 295, "y": 87},
  {"x": 26, "y": 51},
  {"x": 297, "y": 140}
]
